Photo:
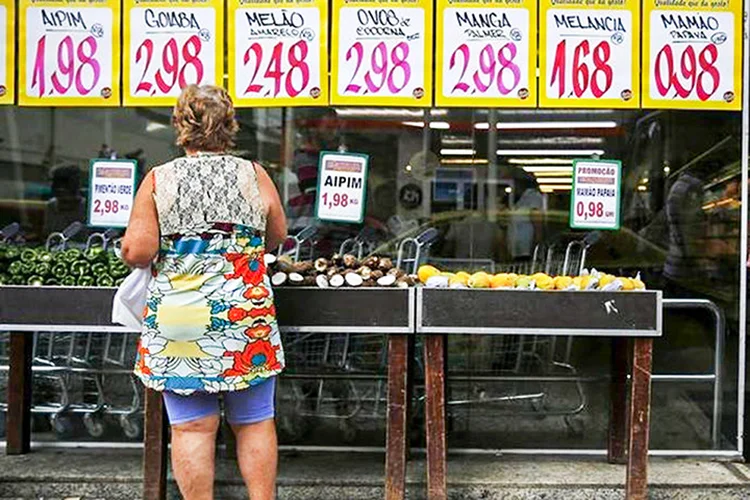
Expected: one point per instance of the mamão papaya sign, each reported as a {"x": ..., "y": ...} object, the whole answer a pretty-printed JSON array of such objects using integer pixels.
[
  {"x": 486, "y": 53},
  {"x": 278, "y": 52},
  {"x": 588, "y": 53},
  {"x": 169, "y": 45},
  {"x": 8, "y": 55},
  {"x": 342, "y": 184},
  {"x": 69, "y": 53},
  {"x": 692, "y": 54},
  {"x": 595, "y": 195}
]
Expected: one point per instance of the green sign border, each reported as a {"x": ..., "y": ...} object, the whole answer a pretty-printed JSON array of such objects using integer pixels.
[
  {"x": 321, "y": 156},
  {"x": 571, "y": 213},
  {"x": 92, "y": 164}
]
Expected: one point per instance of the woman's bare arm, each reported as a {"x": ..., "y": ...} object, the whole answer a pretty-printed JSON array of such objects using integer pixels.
[
  {"x": 141, "y": 241},
  {"x": 275, "y": 218}
]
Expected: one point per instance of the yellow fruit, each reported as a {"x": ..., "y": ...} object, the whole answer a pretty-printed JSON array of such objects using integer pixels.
[
  {"x": 502, "y": 280},
  {"x": 638, "y": 284},
  {"x": 524, "y": 282},
  {"x": 464, "y": 275},
  {"x": 459, "y": 280},
  {"x": 446, "y": 274},
  {"x": 543, "y": 282},
  {"x": 426, "y": 272},
  {"x": 479, "y": 280},
  {"x": 627, "y": 284},
  {"x": 562, "y": 282},
  {"x": 605, "y": 280}
]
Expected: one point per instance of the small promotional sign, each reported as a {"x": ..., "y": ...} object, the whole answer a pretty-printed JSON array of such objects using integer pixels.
[
  {"x": 342, "y": 185},
  {"x": 381, "y": 53},
  {"x": 692, "y": 54},
  {"x": 8, "y": 53},
  {"x": 111, "y": 192},
  {"x": 486, "y": 53},
  {"x": 588, "y": 53},
  {"x": 595, "y": 195},
  {"x": 278, "y": 52},
  {"x": 69, "y": 53},
  {"x": 169, "y": 45}
]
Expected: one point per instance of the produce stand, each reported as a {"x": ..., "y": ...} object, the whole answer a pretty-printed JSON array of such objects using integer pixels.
[
  {"x": 300, "y": 310},
  {"x": 627, "y": 317}
]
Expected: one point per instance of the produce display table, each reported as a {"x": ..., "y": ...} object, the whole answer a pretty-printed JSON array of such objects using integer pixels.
[
  {"x": 624, "y": 316},
  {"x": 303, "y": 310}
]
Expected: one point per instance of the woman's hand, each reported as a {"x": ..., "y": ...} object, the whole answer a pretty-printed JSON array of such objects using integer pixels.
[
  {"x": 275, "y": 218},
  {"x": 141, "y": 241}
]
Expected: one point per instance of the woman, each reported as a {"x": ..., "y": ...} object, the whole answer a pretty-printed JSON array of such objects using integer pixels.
[{"x": 209, "y": 326}]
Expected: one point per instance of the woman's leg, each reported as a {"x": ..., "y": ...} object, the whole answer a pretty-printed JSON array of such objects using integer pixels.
[
  {"x": 251, "y": 415},
  {"x": 194, "y": 420}
]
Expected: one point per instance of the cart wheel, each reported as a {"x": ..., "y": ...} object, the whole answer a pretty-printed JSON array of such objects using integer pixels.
[
  {"x": 62, "y": 425},
  {"x": 130, "y": 427},
  {"x": 94, "y": 424}
]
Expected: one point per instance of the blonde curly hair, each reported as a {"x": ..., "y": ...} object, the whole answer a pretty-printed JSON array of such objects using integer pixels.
[{"x": 204, "y": 119}]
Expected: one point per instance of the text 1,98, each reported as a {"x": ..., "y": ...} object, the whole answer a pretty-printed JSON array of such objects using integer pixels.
[
  {"x": 76, "y": 67},
  {"x": 338, "y": 200}
]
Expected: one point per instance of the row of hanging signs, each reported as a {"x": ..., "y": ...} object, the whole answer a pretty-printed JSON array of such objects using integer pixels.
[{"x": 590, "y": 53}]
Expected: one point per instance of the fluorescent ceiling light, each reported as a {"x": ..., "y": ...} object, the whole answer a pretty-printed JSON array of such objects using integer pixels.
[
  {"x": 566, "y": 112},
  {"x": 155, "y": 126},
  {"x": 482, "y": 126},
  {"x": 554, "y": 125},
  {"x": 551, "y": 141},
  {"x": 556, "y": 180},
  {"x": 457, "y": 152},
  {"x": 387, "y": 112},
  {"x": 540, "y": 161},
  {"x": 548, "y": 168},
  {"x": 455, "y": 140},
  {"x": 433, "y": 125},
  {"x": 549, "y": 152},
  {"x": 413, "y": 124},
  {"x": 548, "y": 188},
  {"x": 464, "y": 161}
]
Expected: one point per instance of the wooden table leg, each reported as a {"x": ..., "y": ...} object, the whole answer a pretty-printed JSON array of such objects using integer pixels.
[
  {"x": 434, "y": 362},
  {"x": 636, "y": 487},
  {"x": 618, "y": 385},
  {"x": 155, "y": 449},
  {"x": 18, "y": 420},
  {"x": 396, "y": 417}
]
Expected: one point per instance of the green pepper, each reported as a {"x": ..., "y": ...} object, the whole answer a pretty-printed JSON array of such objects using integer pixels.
[
  {"x": 28, "y": 255},
  {"x": 105, "y": 280},
  {"x": 17, "y": 280},
  {"x": 72, "y": 255},
  {"x": 44, "y": 256},
  {"x": 27, "y": 268},
  {"x": 95, "y": 254},
  {"x": 85, "y": 281},
  {"x": 98, "y": 269},
  {"x": 42, "y": 269},
  {"x": 4, "y": 279},
  {"x": 35, "y": 281},
  {"x": 15, "y": 268},
  {"x": 80, "y": 267},
  {"x": 59, "y": 271},
  {"x": 119, "y": 281},
  {"x": 58, "y": 257},
  {"x": 12, "y": 253},
  {"x": 69, "y": 281},
  {"x": 51, "y": 282},
  {"x": 119, "y": 270}
]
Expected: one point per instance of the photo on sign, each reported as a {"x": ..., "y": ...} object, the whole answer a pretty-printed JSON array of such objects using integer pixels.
[{"x": 342, "y": 187}]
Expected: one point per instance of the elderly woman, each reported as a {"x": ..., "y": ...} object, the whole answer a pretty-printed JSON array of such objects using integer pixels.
[{"x": 209, "y": 328}]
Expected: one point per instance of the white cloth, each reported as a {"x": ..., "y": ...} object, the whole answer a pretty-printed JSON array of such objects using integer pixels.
[
  {"x": 521, "y": 241},
  {"x": 130, "y": 299}
]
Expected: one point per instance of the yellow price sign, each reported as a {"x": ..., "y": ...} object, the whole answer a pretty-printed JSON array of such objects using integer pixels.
[
  {"x": 69, "y": 53},
  {"x": 381, "y": 53},
  {"x": 588, "y": 53},
  {"x": 169, "y": 45},
  {"x": 486, "y": 53},
  {"x": 692, "y": 54},
  {"x": 8, "y": 55},
  {"x": 278, "y": 52}
]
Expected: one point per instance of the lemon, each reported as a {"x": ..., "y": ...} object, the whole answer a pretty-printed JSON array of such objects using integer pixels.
[
  {"x": 464, "y": 275},
  {"x": 638, "y": 284},
  {"x": 501, "y": 280},
  {"x": 458, "y": 280},
  {"x": 627, "y": 284},
  {"x": 562, "y": 282},
  {"x": 605, "y": 280},
  {"x": 426, "y": 272},
  {"x": 543, "y": 281},
  {"x": 524, "y": 282},
  {"x": 479, "y": 280}
]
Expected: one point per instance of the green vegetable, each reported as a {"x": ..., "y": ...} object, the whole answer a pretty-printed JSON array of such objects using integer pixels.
[
  {"x": 28, "y": 255},
  {"x": 96, "y": 254},
  {"x": 80, "y": 267},
  {"x": 44, "y": 256},
  {"x": 105, "y": 280},
  {"x": 35, "y": 281},
  {"x": 85, "y": 281},
  {"x": 69, "y": 281},
  {"x": 4, "y": 279},
  {"x": 72, "y": 255},
  {"x": 12, "y": 253},
  {"x": 98, "y": 269},
  {"x": 15, "y": 268},
  {"x": 119, "y": 281},
  {"x": 51, "y": 282},
  {"x": 42, "y": 269},
  {"x": 27, "y": 268},
  {"x": 17, "y": 280},
  {"x": 119, "y": 270},
  {"x": 59, "y": 271}
]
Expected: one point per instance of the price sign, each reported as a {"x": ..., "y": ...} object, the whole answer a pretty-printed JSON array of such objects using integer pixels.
[
  {"x": 382, "y": 53},
  {"x": 486, "y": 53},
  {"x": 111, "y": 192},
  {"x": 8, "y": 53},
  {"x": 278, "y": 54},
  {"x": 588, "y": 53},
  {"x": 69, "y": 53},
  {"x": 692, "y": 52},
  {"x": 342, "y": 184},
  {"x": 169, "y": 45},
  {"x": 595, "y": 198}
]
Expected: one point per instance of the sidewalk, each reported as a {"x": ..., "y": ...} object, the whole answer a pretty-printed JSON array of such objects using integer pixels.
[{"x": 116, "y": 475}]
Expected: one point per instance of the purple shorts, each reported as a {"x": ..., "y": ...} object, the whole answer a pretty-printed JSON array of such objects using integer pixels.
[{"x": 249, "y": 406}]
